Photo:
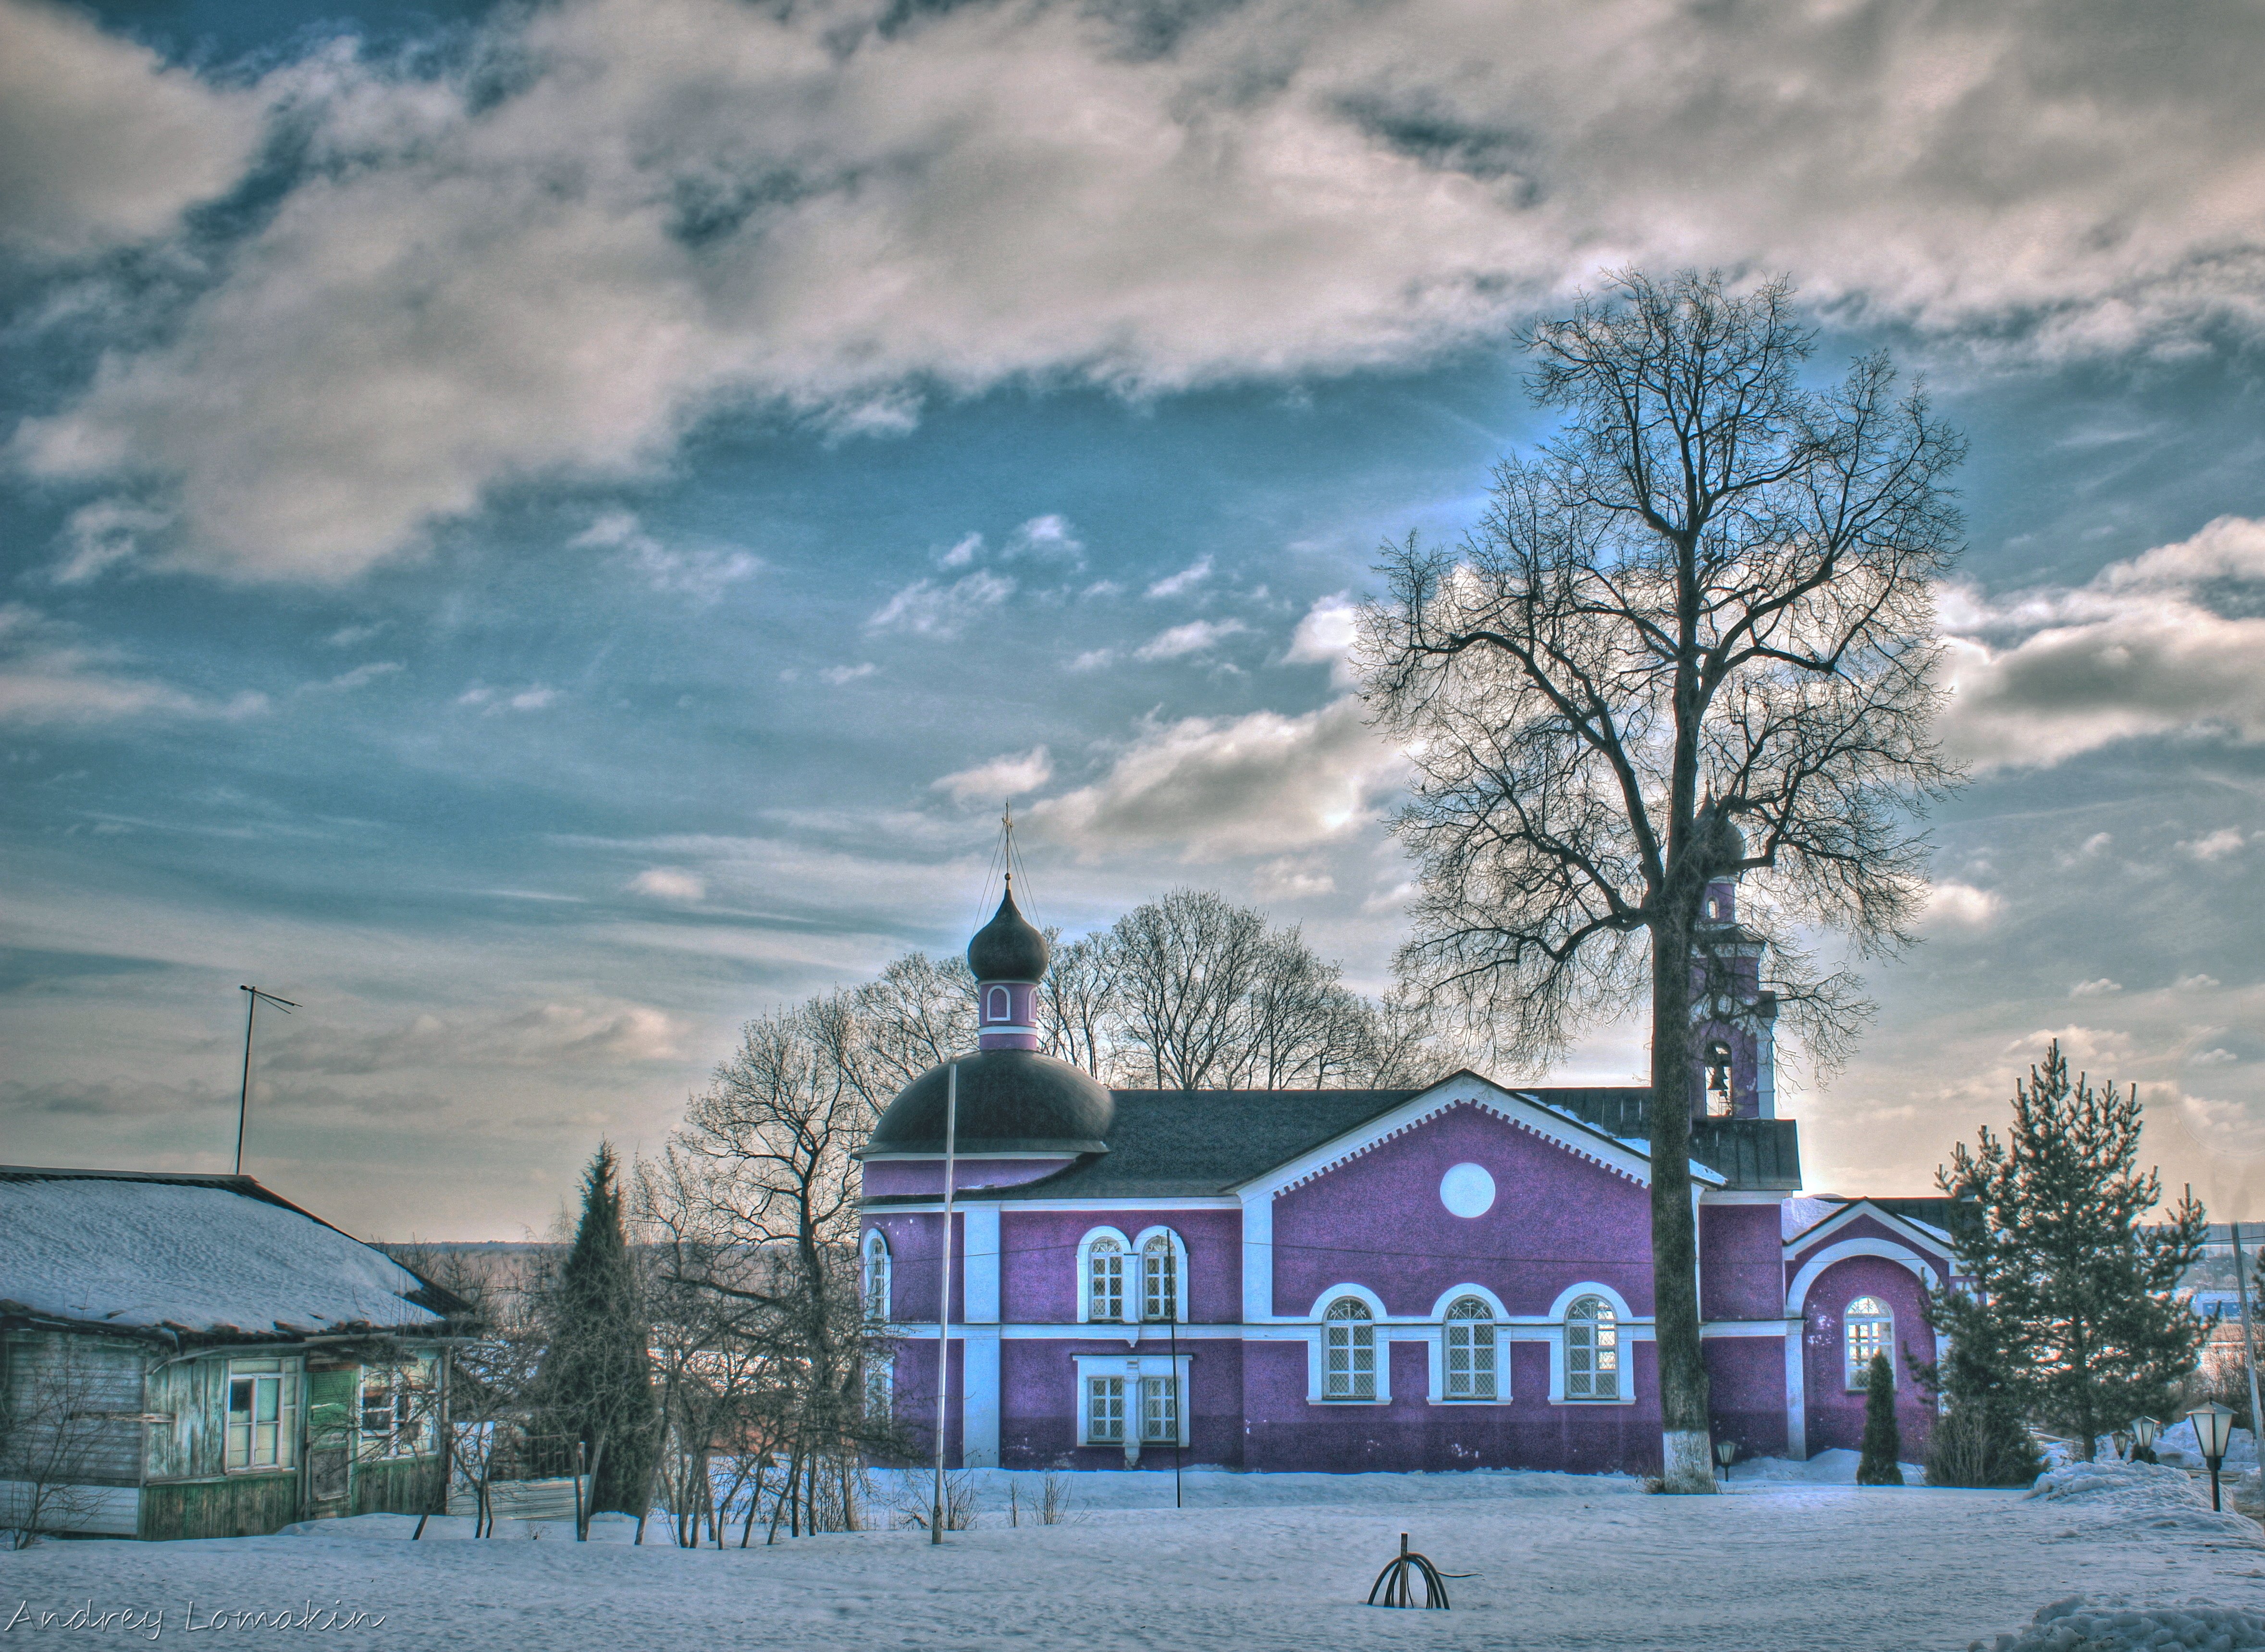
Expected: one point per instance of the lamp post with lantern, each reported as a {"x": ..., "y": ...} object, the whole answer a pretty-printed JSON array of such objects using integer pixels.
[
  {"x": 2213, "y": 1426},
  {"x": 2144, "y": 1430}
]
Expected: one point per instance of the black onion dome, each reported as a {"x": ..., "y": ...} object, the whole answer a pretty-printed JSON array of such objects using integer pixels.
[
  {"x": 1726, "y": 847},
  {"x": 1010, "y": 1100},
  {"x": 1008, "y": 948}
]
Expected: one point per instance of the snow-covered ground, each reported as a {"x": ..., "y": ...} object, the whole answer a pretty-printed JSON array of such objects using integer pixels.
[{"x": 1254, "y": 1563}]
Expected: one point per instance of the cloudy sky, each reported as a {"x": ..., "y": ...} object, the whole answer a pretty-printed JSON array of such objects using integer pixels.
[{"x": 539, "y": 532}]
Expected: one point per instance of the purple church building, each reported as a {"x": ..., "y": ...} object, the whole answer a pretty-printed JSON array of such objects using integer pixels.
[{"x": 1456, "y": 1277}]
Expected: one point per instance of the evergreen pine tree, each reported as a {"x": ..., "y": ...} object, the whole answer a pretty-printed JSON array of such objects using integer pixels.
[
  {"x": 1881, "y": 1463},
  {"x": 597, "y": 1378},
  {"x": 1978, "y": 1438},
  {"x": 2072, "y": 1299}
]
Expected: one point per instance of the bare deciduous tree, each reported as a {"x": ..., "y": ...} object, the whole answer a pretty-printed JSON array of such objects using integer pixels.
[
  {"x": 1692, "y": 638},
  {"x": 1183, "y": 967},
  {"x": 55, "y": 1434}
]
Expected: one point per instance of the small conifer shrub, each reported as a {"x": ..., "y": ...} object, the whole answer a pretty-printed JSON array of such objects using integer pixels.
[{"x": 1882, "y": 1444}]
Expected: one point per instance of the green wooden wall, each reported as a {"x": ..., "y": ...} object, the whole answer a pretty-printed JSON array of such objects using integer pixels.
[{"x": 242, "y": 1505}]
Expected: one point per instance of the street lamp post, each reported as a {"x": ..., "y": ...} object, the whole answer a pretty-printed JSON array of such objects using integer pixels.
[
  {"x": 2144, "y": 1430},
  {"x": 2213, "y": 1432},
  {"x": 2122, "y": 1442},
  {"x": 1725, "y": 1453}
]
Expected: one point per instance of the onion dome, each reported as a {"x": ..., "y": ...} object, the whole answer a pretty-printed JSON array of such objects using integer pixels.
[
  {"x": 1010, "y": 1102},
  {"x": 1008, "y": 948}
]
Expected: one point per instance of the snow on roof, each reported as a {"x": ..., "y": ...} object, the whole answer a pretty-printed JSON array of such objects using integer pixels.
[
  {"x": 211, "y": 1253},
  {"x": 1798, "y": 1215}
]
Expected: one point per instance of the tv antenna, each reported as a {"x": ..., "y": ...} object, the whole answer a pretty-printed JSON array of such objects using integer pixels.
[{"x": 244, "y": 1102}]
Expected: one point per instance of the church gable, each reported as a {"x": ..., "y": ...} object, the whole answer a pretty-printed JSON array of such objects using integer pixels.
[{"x": 1468, "y": 1185}]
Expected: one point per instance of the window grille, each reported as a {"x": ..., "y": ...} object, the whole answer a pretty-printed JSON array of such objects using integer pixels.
[
  {"x": 397, "y": 1409},
  {"x": 262, "y": 1415},
  {"x": 1869, "y": 1325},
  {"x": 876, "y": 1276},
  {"x": 1160, "y": 1280},
  {"x": 1160, "y": 1411},
  {"x": 1104, "y": 1411},
  {"x": 1104, "y": 1281},
  {"x": 1592, "y": 1351},
  {"x": 1348, "y": 1351},
  {"x": 1470, "y": 1350}
]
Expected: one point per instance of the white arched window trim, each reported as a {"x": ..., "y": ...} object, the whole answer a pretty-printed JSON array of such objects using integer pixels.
[
  {"x": 1179, "y": 1271},
  {"x": 1560, "y": 1312},
  {"x": 878, "y": 1269},
  {"x": 998, "y": 1004},
  {"x": 1796, "y": 1294},
  {"x": 1867, "y": 1327},
  {"x": 1317, "y": 1340},
  {"x": 1085, "y": 1307},
  {"x": 1494, "y": 1350}
]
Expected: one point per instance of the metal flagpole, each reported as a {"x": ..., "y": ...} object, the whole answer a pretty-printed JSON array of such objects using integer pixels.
[
  {"x": 244, "y": 1101},
  {"x": 943, "y": 1299},
  {"x": 2249, "y": 1348}
]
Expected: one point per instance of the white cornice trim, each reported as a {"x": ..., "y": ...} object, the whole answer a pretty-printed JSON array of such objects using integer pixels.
[{"x": 1912, "y": 1232}]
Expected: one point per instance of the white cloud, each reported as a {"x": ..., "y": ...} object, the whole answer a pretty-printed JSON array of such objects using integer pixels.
[
  {"x": 1196, "y": 637},
  {"x": 534, "y": 697},
  {"x": 702, "y": 574},
  {"x": 2097, "y": 843},
  {"x": 2100, "y": 988},
  {"x": 2212, "y": 1058},
  {"x": 927, "y": 609},
  {"x": 2196, "y": 983},
  {"x": 604, "y": 1031},
  {"x": 99, "y": 143},
  {"x": 1179, "y": 583},
  {"x": 1210, "y": 788},
  {"x": 1287, "y": 878},
  {"x": 2040, "y": 676},
  {"x": 1048, "y": 535},
  {"x": 800, "y": 208},
  {"x": 2217, "y": 846},
  {"x": 359, "y": 677},
  {"x": 839, "y": 674},
  {"x": 669, "y": 883},
  {"x": 105, "y": 532},
  {"x": 1093, "y": 659},
  {"x": 351, "y": 636},
  {"x": 1325, "y": 637},
  {"x": 1001, "y": 778},
  {"x": 1951, "y": 903},
  {"x": 50, "y": 677},
  {"x": 961, "y": 554},
  {"x": 2078, "y": 1044}
]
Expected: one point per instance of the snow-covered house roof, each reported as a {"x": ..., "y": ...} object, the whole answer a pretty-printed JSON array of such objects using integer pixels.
[{"x": 205, "y": 1255}]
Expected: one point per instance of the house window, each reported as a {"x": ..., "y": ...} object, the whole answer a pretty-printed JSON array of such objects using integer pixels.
[
  {"x": 1160, "y": 1411},
  {"x": 1348, "y": 1351},
  {"x": 1160, "y": 1279},
  {"x": 1869, "y": 1329},
  {"x": 880, "y": 1383},
  {"x": 1592, "y": 1351},
  {"x": 1104, "y": 1276},
  {"x": 1470, "y": 1350},
  {"x": 876, "y": 1276},
  {"x": 1104, "y": 1411},
  {"x": 397, "y": 1409},
  {"x": 262, "y": 1415}
]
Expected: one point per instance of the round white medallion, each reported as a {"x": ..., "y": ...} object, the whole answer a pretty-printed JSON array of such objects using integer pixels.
[{"x": 1467, "y": 1190}]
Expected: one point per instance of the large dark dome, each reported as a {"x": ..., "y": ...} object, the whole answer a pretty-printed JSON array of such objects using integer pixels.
[
  {"x": 1008, "y": 949},
  {"x": 1010, "y": 1100}
]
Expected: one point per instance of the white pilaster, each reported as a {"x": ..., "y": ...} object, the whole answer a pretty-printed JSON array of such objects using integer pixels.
[
  {"x": 980, "y": 1420},
  {"x": 1258, "y": 1256},
  {"x": 1796, "y": 1390},
  {"x": 980, "y": 1237}
]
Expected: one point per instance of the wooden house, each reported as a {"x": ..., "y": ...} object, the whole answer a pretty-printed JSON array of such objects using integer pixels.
[{"x": 194, "y": 1356}]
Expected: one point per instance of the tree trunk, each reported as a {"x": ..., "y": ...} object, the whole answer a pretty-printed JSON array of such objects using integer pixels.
[{"x": 1686, "y": 1461}]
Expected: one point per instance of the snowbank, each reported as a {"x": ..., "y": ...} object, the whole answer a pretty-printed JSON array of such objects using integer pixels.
[
  {"x": 2177, "y": 1444},
  {"x": 1826, "y": 1468},
  {"x": 2077, "y": 1625},
  {"x": 2152, "y": 1497}
]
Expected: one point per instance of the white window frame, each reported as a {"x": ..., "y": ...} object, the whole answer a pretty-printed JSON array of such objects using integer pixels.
[
  {"x": 283, "y": 1452},
  {"x": 879, "y": 1272},
  {"x": 881, "y": 1382},
  {"x": 417, "y": 1380},
  {"x": 1623, "y": 1383},
  {"x": 1881, "y": 1326},
  {"x": 1179, "y": 1251},
  {"x": 1482, "y": 1342},
  {"x": 1130, "y": 1302},
  {"x": 1355, "y": 1316},
  {"x": 1134, "y": 1370}
]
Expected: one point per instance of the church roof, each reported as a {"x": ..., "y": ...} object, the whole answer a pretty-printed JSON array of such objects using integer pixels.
[
  {"x": 1010, "y": 1100},
  {"x": 1166, "y": 1144},
  {"x": 1009, "y": 948}
]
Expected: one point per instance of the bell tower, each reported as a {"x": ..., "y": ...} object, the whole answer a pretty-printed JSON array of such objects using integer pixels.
[{"x": 1733, "y": 1016}]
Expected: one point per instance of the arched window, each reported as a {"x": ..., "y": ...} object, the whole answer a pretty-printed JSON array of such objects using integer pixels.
[
  {"x": 1348, "y": 1351},
  {"x": 1592, "y": 1351},
  {"x": 1104, "y": 1281},
  {"x": 876, "y": 1276},
  {"x": 998, "y": 1004},
  {"x": 1869, "y": 1328},
  {"x": 1160, "y": 1279},
  {"x": 1470, "y": 1349}
]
